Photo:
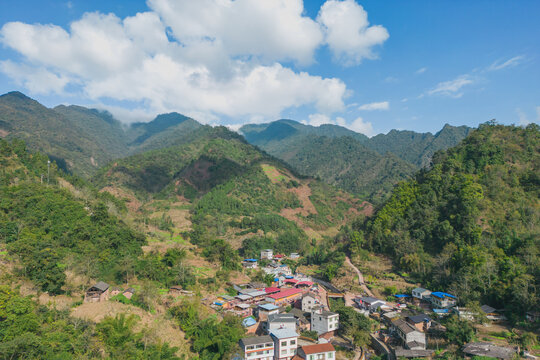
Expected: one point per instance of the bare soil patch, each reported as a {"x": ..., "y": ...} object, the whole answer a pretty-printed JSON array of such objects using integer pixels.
[
  {"x": 3, "y": 133},
  {"x": 133, "y": 204}
]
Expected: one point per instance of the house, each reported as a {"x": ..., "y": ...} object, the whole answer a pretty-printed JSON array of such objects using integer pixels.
[
  {"x": 250, "y": 264},
  {"x": 369, "y": 303},
  {"x": 491, "y": 313},
  {"x": 116, "y": 290},
  {"x": 411, "y": 338},
  {"x": 400, "y": 353},
  {"x": 286, "y": 296},
  {"x": 294, "y": 256},
  {"x": 302, "y": 324},
  {"x": 421, "y": 322},
  {"x": 257, "y": 285},
  {"x": 98, "y": 292},
  {"x": 265, "y": 310},
  {"x": 304, "y": 284},
  {"x": 389, "y": 316},
  {"x": 323, "y": 321},
  {"x": 128, "y": 293},
  {"x": 442, "y": 300},
  {"x": 464, "y": 313},
  {"x": 324, "y": 351},
  {"x": 421, "y": 293},
  {"x": 271, "y": 290},
  {"x": 242, "y": 310},
  {"x": 280, "y": 321},
  {"x": 488, "y": 350},
  {"x": 267, "y": 254},
  {"x": 285, "y": 343},
  {"x": 175, "y": 290},
  {"x": 257, "y": 348},
  {"x": 309, "y": 300}
]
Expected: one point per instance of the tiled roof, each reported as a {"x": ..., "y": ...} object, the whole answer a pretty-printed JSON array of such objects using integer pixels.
[
  {"x": 257, "y": 340},
  {"x": 318, "y": 348},
  {"x": 283, "y": 333},
  {"x": 268, "y": 307}
]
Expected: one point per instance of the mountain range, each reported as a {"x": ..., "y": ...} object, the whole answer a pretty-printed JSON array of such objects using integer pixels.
[{"x": 81, "y": 140}]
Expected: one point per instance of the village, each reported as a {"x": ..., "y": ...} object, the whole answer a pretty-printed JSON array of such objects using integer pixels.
[{"x": 291, "y": 319}]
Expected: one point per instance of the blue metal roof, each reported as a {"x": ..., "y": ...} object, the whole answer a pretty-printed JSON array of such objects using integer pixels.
[
  {"x": 289, "y": 277},
  {"x": 269, "y": 307},
  {"x": 441, "y": 311},
  {"x": 402, "y": 295},
  {"x": 251, "y": 260},
  {"x": 441, "y": 294},
  {"x": 249, "y": 321}
]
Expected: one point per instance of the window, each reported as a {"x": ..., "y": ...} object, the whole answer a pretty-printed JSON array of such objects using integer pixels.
[
  {"x": 293, "y": 342},
  {"x": 330, "y": 355},
  {"x": 284, "y": 352},
  {"x": 311, "y": 357},
  {"x": 283, "y": 343},
  {"x": 249, "y": 347}
]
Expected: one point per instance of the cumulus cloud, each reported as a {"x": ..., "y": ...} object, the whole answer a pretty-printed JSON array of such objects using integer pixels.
[
  {"x": 453, "y": 87},
  {"x": 348, "y": 32},
  {"x": 38, "y": 80},
  {"x": 383, "y": 105},
  {"x": 421, "y": 70},
  {"x": 358, "y": 125},
  {"x": 499, "y": 65}
]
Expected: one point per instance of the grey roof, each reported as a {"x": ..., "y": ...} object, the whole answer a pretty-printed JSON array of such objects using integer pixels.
[
  {"x": 257, "y": 340},
  {"x": 420, "y": 290},
  {"x": 103, "y": 286},
  {"x": 298, "y": 314},
  {"x": 130, "y": 290},
  {"x": 419, "y": 318},
  {"x": 487, "y": 309},
  {"x": 404, "y": 326},
  {"x": 414, "y": 344},
  {"x": 406, "y": 353},
  {"x": 488, "y": 349},
  {"x": 286, "y": 318},
  {"x": 283, "y": 333}
]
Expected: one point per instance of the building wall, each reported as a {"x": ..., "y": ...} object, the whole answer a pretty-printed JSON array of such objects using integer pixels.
[
  {"x": 322, "y": 324},
  {"x": 265, "y": 353},
  {"x": 308, "y": 303},
  {"x": 285, "y": 349}
]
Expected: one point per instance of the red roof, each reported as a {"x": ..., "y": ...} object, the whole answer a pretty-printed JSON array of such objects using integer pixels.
[
  {"x": 308, "y": 283},
  {"x": 271, "y": 290},
  {"x": 292, "y": 281},
  {"x": 279, "y": 256},
  {"x": 285, "y": 293},
  {"x": 317, "y": 348}
]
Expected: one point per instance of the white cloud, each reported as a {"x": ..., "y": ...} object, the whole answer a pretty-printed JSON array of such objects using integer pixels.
[
  {"x": 361, "y": 126},
  {"x": 383, "y": 105},
  {"x": 499, "y": 65},
  {"x": 421, "y": 70},
  {"x": 37, "y": 80},
  {"x": 357, "y": 125},
  {"x": 348, "y": 32},
  {"x": 523, "y": 119},
  {"x": 452, "y": 88},
  {"x": 222, "y": 62}
]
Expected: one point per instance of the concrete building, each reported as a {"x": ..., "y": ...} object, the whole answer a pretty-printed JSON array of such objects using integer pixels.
[
  {"x": 285, "y": 343},
  {"x": 421, "y": 322},
  {"x": 280, "y": 321},
  {"x": 257, "y": 348},
  {"x": 284, "y": 297},
  {"x": 442, "y": 300},
  {"x": 309, "y": 300},
  {"x": 323, "y": 321},
  {"x": 369, "y": 303},
  {"x": 267, "y": 254},
  {"x": 317, "y": 352},
  {"x": 421, "y": 293},
  {"x": 410, "y": 336},
  {"x": 265, "y": 310}
]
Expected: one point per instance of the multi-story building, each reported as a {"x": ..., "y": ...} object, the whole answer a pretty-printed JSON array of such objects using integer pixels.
[
  {"x": 410, "y": 336},
  {"x": 258, "y": 348},
  {"x": 267, "y": 254},
  {"x": 285, "y": 343},
  {"x": 264, "y": 310},
  {"x": 280, "y": 321},
  {"x": 421, "y": 293},
  {"x": 309, "y": 300},
  {"x": 323, "y": 321},
  {"x": 442, "y": 300}
]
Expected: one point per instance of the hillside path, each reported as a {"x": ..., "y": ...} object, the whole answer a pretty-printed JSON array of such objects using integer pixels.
[{"x": 360, "y": 277}]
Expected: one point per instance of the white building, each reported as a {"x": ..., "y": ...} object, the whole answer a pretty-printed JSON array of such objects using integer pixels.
[
  {"x": 267, "y": 254},
  {"x": 442, "y": 300},
  {"x": 309, "y": 301},
  {"x": 323, "y": 321},
  {"x": 324, "y": 351},
  {"x": 280, "y": 321},
  {"x": 421, "y": 293},
  {"x": 285, "y": 343},
  {"x": 258, "y": 348},
  {"x": 409, "y": 335}
]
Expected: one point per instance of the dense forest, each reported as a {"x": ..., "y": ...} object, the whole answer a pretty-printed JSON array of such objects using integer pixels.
[{"x": 469, "y": 225}]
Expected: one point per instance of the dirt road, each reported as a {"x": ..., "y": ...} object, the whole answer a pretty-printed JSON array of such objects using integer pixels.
[{"x": 360, "y": 277}]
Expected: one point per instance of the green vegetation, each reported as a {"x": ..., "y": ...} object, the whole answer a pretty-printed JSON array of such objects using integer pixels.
[
  {"x": 368, "y": 167},
  {"x": 211, "y": 339},
  {"x": 351, "y": 323},
  {"x": 30, "y": 331},
  {"x": 469, "y": 225}
]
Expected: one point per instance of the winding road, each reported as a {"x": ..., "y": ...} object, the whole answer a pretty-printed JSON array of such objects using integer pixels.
[{"x": 360, "y": 277}]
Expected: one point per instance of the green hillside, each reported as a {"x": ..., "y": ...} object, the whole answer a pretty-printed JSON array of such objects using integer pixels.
[
  {"x": 234, "y": 191},
  {"x": 369, "y": 167},
  {"x": 470, "y": 224}
]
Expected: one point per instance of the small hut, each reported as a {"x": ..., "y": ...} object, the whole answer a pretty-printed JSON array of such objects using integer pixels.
[
  {"x": 98, "y": 292},
  {"x": 128, "y": 293}
]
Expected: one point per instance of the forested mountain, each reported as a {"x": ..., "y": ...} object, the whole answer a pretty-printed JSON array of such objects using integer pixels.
[
  {"x": 470, "y": 224},
  {"x": 234, "y": 191},
  {"x": 82, "y": 140},
  {"x": 369, "y": 167}
]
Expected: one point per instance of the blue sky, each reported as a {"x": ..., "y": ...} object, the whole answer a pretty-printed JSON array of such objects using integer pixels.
[{"x": 368, "y": 65}]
